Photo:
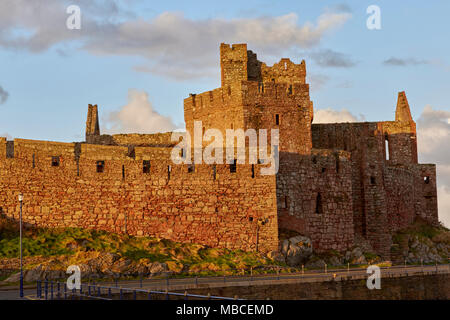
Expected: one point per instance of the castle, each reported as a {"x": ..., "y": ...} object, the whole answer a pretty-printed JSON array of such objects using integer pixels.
[{"x": 335, "y": 181}]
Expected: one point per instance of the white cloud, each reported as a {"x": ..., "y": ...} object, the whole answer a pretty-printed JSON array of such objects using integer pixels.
[
  {"x": 332, "y": 116},
  {"x": 137, "y": 116},
  {"x": 433, "y": 139},
  {"x": 189, "y": 47}
]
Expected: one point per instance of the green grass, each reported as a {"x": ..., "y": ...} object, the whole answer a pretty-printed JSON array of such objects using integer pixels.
[
  {"x": 423, "y": 231},
  {"x": 70, "y": 242}
]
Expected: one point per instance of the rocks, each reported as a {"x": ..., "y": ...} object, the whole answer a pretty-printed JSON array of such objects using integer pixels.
[
  {"x": 276, "y": 256},
  {"x": 296, "y": 250},
  {"x": 315, "y": 264},
  {"x": 355, "y": 256},
  {"x": 421, "y": 249}
]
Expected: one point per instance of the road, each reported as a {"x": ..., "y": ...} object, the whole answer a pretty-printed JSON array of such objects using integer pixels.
[{"x": 190, "y": 283}]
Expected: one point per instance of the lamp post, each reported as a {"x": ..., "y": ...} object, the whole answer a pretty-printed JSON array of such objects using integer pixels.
[{"x": 20, "y": 227}]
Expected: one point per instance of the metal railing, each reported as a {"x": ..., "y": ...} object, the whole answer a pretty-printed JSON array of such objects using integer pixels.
[{"x": 57, "y": 290}]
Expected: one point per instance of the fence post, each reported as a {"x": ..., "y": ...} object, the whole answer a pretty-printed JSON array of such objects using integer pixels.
[
  {"x": 325, "y": 268},
  {"x": 65, "y": 291},
  {"x": 348, "y": 267},
  {"x": 38, "y": 289},
  {"x": 140, "y": 280},
  {"x": 149, "y": 295},
  {"x": 185, "y": 295},
  {"x": 121, "y": 294},
  {"x": 196, "y": 281},
  {"x": 251, "y": 273},
  {"x": 134, "y": 295},
  {"x": 46, "y": 289},
  {"x": 167, "y": 294},
  {"x": 278, "y": 273},
  {"x": 99, "y": 291},
  {"x": 303, "y": 269},
  {"x": 109, "y": 293},
  {"x": 167, "y": 281}
]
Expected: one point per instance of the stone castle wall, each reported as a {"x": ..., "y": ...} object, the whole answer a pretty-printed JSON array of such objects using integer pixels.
[
  {"x": 315, "y": 198},
  {"x": 188, "y": 207}
]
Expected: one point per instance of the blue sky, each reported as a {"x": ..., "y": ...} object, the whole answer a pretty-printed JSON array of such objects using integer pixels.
[
  {"x": 49, "y": 91},
  {"x": 148, "y": 56}
]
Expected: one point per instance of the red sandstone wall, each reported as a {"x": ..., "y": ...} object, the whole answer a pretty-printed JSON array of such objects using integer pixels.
[
  {"x": 188, "y": 207},
  {"x": 387, "y": 193},
  {"x": 300, "y": 181}
]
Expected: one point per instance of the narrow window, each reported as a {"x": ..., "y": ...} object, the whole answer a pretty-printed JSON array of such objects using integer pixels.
[
  {"x": 191, "y": 168},
  {"x": 233, "y": 166},
  {"x": 426, "y": 180},
  {"x": 372, "y": 180},
  {"x": 55, "y": 162},
  {"x": 214, "y": 172},
  {"x": 319, "y": 208},
  {"x": 100, "y": 166},
  {"x": 324, "y": 170},
  {"x": 277, "y": 119},
  {"x": 232, "y": 126},
  {"x": 182, "y": 153},
  {"x": 123, "y": 172},
  {"x": 229, "y": 90},
  {"x": 290, "y": 90},
  {"x": 337, "y": 164},
  {"x": 34, "y": 161},
  {"x": 78, "y": 167},
  {"x": 253, "y": 171},
  {"x": 146, "y": 166},
  {"x": 169, "y": 169},
  {"x": 386, "y": 146},
  {"x": 286, "y": 202}
]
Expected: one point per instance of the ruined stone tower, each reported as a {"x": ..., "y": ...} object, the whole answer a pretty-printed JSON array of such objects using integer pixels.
[{"x": 92, "y": 123}]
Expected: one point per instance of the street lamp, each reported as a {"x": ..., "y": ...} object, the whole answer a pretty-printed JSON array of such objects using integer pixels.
[{"x": 20, "y": 227}]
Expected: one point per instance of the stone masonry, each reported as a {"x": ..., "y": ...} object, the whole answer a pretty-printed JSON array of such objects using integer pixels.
[{"x": 335, "y": 181}]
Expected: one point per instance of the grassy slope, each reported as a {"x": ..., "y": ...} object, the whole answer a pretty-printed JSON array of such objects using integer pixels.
[{"x": 73, "y": 242}]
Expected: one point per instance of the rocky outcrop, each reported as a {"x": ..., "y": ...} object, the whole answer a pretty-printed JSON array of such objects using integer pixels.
[
  {"x": 296, "y": 250},
  {"x": 415, "y": 249},
  {"x": 100, "y": 265}
]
